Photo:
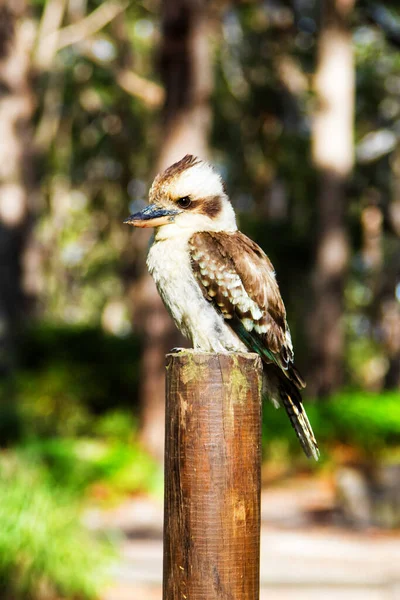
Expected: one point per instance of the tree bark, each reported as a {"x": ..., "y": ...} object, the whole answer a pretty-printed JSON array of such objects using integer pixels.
[
  {"x": 16, "y": 108},
  {"x": 185, "y": 68},
  {"x": 390, "y": 292},
  {"x": 332, "y": 147}
]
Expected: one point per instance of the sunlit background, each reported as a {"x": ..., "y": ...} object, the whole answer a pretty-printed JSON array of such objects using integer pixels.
[{"x": 297, "y": 104}]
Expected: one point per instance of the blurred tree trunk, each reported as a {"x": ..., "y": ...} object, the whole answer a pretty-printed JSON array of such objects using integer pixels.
[
  {"x": 186, "y": 71},
  {"x": 185, "y": 68},
  {"x": 389, "y": 297},
  {"x": 16, "y": 108},
  {"x": 333, "y": 157}
]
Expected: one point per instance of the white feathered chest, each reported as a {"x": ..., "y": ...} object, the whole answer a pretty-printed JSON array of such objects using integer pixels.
[{"x": 169, "y": 263}]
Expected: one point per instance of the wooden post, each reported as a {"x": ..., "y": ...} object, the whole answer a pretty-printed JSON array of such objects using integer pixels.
[{"x": 212, "y": 477}]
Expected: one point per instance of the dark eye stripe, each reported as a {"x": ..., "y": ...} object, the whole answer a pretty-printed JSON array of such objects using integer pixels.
[{"x": 213, "y": 206}]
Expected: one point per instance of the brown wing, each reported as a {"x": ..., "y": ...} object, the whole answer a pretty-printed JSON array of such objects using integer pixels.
[{"x": 238, "y": 277}]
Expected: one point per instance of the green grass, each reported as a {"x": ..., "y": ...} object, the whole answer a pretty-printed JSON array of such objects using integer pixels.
[
  {"x": 364, "y": 420},
  {"x": 77, "y": 464},
  {"x": 44, "y": 549},
  {"x": 368, "y": 420}
]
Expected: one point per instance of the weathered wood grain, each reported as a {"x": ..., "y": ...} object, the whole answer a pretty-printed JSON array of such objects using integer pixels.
[{"x": 212, "y": 477}]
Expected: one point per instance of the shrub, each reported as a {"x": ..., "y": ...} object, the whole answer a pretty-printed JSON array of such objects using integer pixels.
[
  {"x": 44, "y": 549},
  {"x": 365, "y": 420}
]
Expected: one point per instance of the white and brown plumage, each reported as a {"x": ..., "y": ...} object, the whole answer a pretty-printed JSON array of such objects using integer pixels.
[{"x": 218, "y": 285}]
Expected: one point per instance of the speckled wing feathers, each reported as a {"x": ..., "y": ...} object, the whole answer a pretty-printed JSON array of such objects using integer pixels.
[{"x": 238, "y": 277}]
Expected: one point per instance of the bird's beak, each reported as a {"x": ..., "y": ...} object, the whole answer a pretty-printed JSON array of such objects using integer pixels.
[{"x": 152, "y": 216}]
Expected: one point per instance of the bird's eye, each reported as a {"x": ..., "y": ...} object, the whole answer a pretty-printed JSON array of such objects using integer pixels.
[{"x": 184, "y": 202}]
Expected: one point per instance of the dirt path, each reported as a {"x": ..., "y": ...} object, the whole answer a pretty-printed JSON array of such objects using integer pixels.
[{"x": 306, "y": 553}]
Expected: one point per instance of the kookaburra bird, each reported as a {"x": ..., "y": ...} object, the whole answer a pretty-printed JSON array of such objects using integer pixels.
[{"x": 217, "y": 284}]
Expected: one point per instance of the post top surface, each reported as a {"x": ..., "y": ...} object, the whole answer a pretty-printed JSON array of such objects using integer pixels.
[
  {"x": 200, "y": 353},
  {"x": 215, "y": 359}
]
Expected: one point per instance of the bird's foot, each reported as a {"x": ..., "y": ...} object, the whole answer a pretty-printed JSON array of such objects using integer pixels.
[{"x": 186, "y": 350}]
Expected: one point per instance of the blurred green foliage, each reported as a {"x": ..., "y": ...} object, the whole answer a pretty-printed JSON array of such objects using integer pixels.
[
  {"x": 366, "y": 421},
  {"x": 67, "y": 375},
  {"x": 44, "y": 550},
  {"x": 102, "y": 467},
  {"x": 72, "y": 408}
]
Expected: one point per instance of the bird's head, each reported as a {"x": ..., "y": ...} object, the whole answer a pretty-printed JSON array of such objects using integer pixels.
[{"x": 187, "y": 197}]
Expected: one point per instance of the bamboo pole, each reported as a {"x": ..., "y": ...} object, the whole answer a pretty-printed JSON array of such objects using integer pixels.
[{"x": 212, "y": 477}]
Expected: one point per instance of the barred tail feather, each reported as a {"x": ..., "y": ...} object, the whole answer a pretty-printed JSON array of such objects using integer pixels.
[
  {"x": 295, "y": 376},
  {"x": 299, "y": 421}
]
